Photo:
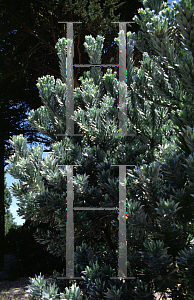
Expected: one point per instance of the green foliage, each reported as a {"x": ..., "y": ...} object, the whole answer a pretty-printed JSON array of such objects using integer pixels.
[
  {"x": 72, "y": 293},
  {"x": 39, "y": 289},
  {"x": 159, "y": 189},
  {"x": 186, "y": 263},
  {"x": 9, "y": 219}
]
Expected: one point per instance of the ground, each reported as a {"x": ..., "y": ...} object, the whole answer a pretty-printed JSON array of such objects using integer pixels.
[{"x": 16, "y": 289}]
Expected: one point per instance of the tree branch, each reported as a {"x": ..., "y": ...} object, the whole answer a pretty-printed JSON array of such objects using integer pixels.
[{"x": 52, "y": 29}]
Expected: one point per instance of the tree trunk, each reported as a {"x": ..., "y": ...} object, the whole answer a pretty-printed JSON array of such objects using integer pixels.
[{"x": 2, "y": 208}]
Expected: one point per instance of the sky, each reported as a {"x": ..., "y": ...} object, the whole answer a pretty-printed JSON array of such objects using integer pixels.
[{"x": 10, "y": 180}]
